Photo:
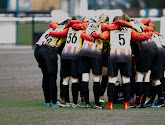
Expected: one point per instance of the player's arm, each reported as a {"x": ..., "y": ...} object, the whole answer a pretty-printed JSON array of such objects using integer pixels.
[
  {"x": 146, "y": 21},
  {"x": 87, "y": 37},
  {"x": 54, "y": 25},
  {"x": 59, "y": 34},
  {"x": 71, "y": 23},
  {"x": 148, "y": 29},
  {"x": 106, "y": 27},
  {"x": 122, "y": 23},
  {"x": 80, "y": 26},
  {"x": 140, "y": 36},
  {"x": 157, "y": 33},
  {"x": 105, "y": 35},
  {"x": 152, "y": 25}
]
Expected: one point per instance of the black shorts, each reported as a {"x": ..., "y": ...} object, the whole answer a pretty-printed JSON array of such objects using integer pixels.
[
  {"x": 87, "y": 63},
  {"x": 144, "y": 60},
  {"x": 48, "y": 59},
  {"x": 125, "y": 69},
  {"x": 157, "y": 69},
  {"x": 69, "y": 67},
  {"x": 105, "y": 59}
]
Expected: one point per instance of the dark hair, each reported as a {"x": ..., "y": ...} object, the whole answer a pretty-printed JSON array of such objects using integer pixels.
[
  {"x": 73, "y": 18},
  {"x": 106, "y": 19},
  {"x": 65, "y": 21},
  {"x": 125, "y": 17},
  {"x": 117, "y": 18}
]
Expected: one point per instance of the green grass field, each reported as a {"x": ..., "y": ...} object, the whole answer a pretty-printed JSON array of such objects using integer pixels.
[
  {"x": 32, "y": 112},
  {"x": 25, "y": 31},
  {"x": 22, "y": 100}
]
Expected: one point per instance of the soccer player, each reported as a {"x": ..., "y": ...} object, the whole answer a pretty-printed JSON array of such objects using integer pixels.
[
  {"x": 120, "y": 58},
  {"x": 70, "y": 61},
  {"x": 91, "y": 55},
  {"x": 144, "y": 57},
  {"x": 157, "y": 72},
  {"x": 45, "y": 53}
]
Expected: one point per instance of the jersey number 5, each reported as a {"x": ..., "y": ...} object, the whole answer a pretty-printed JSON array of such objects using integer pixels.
[{"x": 121, "y": 39}]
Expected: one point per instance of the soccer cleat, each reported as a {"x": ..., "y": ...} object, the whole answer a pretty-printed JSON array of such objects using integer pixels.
[
  {"x": 142, "y": 106},
  {"x": 101, "y": 100},
  {"x": 98, "y": 106},
  {"x": 69, "y": 104},
  {"x": 88, "y": 106},
  {"x": 82, "y": 99},
  {"x": 133, "y": 101},
  {"x": 126, "y": 105},
  {"x": 157, "y": 106},
  {"x": 148, "y": 104},
  {"x": 156, "y": 102},
  {"x": 109, "y": 106},
  {"x": 63, "y": 101},
  {"x": 54, "y": 104},
  {"x": 135, "y": 106},
  {"x": 57, "y": 104},
  {"x": 75, "y": 105},
  {"x": 47, "y": 104}
]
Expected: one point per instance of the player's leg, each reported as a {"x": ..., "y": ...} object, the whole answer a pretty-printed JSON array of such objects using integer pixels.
[
  {"x": 112, "y": 73},
  {"x": 104, "y": 82},
  {"x": 159, "y": 90},
  {"x": 75, "y": 81},
  {"x": 65, "y": 74},
  {"x": 97, "y": 71},
  {"x": 139, "y": 86},
  {"x": 84, "y": 69},
  {"x": 104, "y": 79},
  {"x": 125, "y": 70}
]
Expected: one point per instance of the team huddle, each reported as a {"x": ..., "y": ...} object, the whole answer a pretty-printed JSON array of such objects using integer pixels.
[{"x": 88, "y": 46}]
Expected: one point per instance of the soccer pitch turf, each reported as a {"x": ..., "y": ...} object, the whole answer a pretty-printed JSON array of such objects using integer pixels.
[{"x": 21, "y": 100}]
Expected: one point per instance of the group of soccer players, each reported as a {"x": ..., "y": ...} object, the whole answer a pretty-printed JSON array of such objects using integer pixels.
[{"x": 87, "y": 46}]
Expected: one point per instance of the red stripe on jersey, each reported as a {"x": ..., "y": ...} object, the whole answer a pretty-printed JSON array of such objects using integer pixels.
[
  {"x": 96, "y": 48},
  {"x": 69, "y": 49},
  {"x": 74, "y": 50},
  {"x": 122, "y": 51},
  {"x": 89, "y": 46},
  {"x": 129, "y": 52},
  {"x": 115, "y": 51}
]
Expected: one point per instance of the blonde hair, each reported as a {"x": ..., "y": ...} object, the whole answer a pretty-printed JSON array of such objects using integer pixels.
[{"x": 125, "y": 17}]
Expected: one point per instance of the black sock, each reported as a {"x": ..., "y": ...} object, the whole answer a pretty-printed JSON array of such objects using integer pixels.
[
  {"x": 85, "y": 90},
  {"x": 61, "y": 87},
  {"x": 160, "y": 94},
  {"x": 146, "y": 87},
  {"x": 96, "y": 91},
  {"x": 126, "y": 91},
  {"x": 153, "y": 94},
  {"x": 53, "y": 87},
  {"x": 111, "y": 91},
  {"x": 139, "y": 90},
  {"x": 75, "y": 90},
  {"x": 103, "y": 86},
  {"x": 66, "y": 92}
]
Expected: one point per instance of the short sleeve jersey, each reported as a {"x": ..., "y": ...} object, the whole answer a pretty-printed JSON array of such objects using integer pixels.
[
  {"x": 120, "y": 45},
  {"x": 73, "y": 44},
  {"x": 92, "y": 49}
]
